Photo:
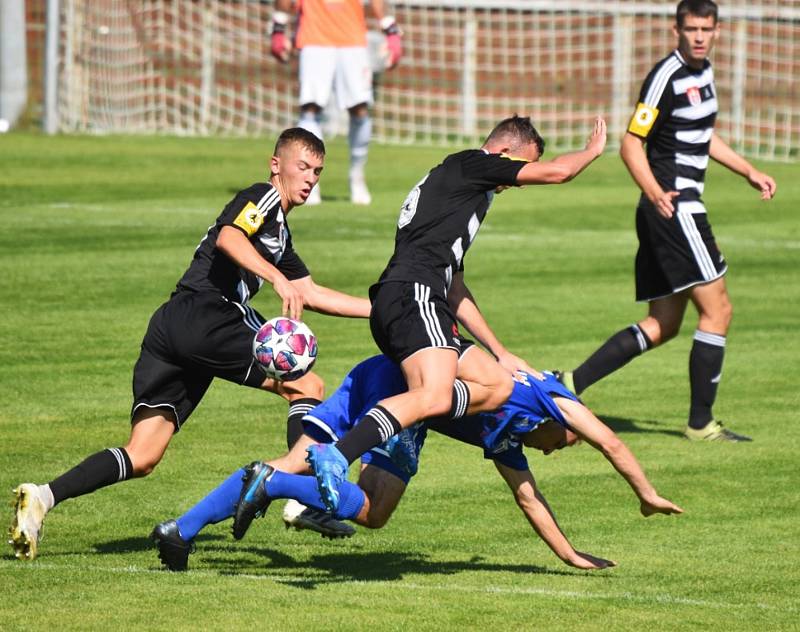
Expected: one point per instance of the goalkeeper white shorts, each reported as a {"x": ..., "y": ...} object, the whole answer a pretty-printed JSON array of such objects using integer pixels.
[{"x": 345, "y": 71}]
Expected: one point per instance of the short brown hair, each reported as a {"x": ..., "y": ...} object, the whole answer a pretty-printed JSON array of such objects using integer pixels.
[
  {"x": 303, "y": 137},
  {"x": 519, "y": 130},
  {"x": 699, "y": 8}
]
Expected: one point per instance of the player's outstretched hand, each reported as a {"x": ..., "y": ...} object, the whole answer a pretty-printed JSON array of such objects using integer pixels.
[
  {"x": 763, "y": 183},
  {"x": 513, "y": 364},
  {"x": 597, "y": 139},
  {"x": 589, "y": 562},
  {"x": 657, "y": 504},
  {"x": 291, "y": 296}
]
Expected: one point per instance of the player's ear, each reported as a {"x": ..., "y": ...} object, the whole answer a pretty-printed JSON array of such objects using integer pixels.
[{"x": 274, "y": 165}]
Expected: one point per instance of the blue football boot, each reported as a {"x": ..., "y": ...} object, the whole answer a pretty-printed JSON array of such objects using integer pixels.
[
  {"x": 330, "y": 469},
  {"x": 402, "y": 449},
  {"x": 253, "y": 501}
]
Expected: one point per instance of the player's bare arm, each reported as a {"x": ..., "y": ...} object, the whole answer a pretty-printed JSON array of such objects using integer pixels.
[
  {"x": 722, "y": 153},
  {"x": 565, "y": 167},
  {"x": 598, "y": 435},
  {"x": 238, "y": 248},
  {"x": 469, "y": 315},
  {"x": 324, "y": 300},
  {"x": 633, "y": 155},
  {"x": 538, "y": 513}
]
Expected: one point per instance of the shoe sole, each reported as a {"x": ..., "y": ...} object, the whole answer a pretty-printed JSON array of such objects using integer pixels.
[
  {"x": 25, "y": 547},
  {"x": 300, "y": 524}
]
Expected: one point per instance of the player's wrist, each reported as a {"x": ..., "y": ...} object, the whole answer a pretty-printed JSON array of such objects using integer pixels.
[
  {"x": 280, "y": 19},
  {"x": 389, "y": 26}
]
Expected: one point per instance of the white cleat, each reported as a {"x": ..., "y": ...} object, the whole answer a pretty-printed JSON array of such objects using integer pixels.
[
  {"x": 359, "y": 193},
  {"x": 315, "y": 197},
  {"x": 301, "y": 517},
  {"x": 29, "y": 513}
]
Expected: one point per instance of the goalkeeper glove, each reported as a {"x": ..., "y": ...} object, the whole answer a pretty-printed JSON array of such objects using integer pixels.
[
  {"x": 394, "y": 42},
  {"x": 279, "y": 44}
]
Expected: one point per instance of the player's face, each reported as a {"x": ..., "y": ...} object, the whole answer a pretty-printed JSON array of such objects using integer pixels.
[
  {"x": 294, "y": 172},
  {"x": 549, "y": 437},
  {"x": 696, "y": 37}
]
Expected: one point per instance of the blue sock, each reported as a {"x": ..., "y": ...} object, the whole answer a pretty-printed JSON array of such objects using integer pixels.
[
  {"x": 218, "y": 505},
  {"x": 304, "y": 490}
]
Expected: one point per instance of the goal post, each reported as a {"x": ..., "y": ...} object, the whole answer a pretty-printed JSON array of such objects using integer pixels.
[{"x": 204, "y": 67}]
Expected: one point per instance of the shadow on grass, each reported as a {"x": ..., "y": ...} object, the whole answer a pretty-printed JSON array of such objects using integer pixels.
[{"x": 623, "y": 424}]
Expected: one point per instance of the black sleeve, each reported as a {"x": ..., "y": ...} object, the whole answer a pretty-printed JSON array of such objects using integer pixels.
[
  {"x": 243, "y": 211},
  {"x": 486, "y": 171}
]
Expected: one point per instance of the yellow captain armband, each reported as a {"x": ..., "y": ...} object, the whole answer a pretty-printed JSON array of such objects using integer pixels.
[
  {"x": 249, "y": 219},
  {"x": 642, "y": 120},
  {"x": 510, "y": 157}
]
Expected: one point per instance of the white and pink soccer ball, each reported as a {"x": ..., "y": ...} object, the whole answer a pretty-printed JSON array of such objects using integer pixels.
[{"x": 286, "y": 349}]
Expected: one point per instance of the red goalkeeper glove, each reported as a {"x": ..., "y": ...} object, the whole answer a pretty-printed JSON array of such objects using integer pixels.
[
  {"x": 280, "y": 46},
  {"x": 394, "y": 40}
]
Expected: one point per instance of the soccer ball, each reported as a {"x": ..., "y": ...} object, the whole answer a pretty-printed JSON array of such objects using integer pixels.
[{"x": 286, "y": 349}]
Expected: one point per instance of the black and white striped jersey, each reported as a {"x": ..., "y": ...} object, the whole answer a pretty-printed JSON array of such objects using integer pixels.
[
  {"x": 257, "y": 212},
  {"x": 440, "y": 217},
  {"x": 675, "y": 114}
]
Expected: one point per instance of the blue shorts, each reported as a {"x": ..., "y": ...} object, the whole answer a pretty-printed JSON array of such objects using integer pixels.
[{"x": 368, "y": 383}]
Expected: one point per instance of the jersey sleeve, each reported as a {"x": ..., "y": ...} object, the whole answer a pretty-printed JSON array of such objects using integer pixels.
[
  {"x": 242, "y": 213},
  {"x": 487, "y": 171},
  {"x": 655, "y": 102}
]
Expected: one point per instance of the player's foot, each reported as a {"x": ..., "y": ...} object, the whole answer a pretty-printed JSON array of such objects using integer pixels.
[
  {"x": 330, "y": 469},
  {"x": 402, "y": 450},
  {"x": 173, "y": 550},
  {"x": 714, "y": 431},
  {"x": 301, "y": 517},
  {"x": 253, "y": 501},
  {"x": 26, "y": 529},
  {"x": 314, "y": 198},
  {"x": 565, "y": 377},
  {"x": 359, "y": 193}
]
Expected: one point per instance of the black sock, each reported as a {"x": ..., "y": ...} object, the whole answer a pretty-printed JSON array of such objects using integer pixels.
[
  {"x": 99, "y": 470},
  {"x": 298, "y": 409},
  {"x": 373, "y": 429},
  {"x": 460, "y": 402},
  {"x": 705, "y": 371},
  {"x": 616, "y": 352}
]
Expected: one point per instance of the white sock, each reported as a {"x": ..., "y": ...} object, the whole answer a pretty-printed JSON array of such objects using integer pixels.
[{"x": 359, "y": 136}]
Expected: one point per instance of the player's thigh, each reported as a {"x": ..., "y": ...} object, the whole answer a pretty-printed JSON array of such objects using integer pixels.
[
  {"x": 478, "y": 366},
  {"x": 384, "y": 491},
  {"x": 316, "y": 72},
  {"x": 353, "y": 77}
]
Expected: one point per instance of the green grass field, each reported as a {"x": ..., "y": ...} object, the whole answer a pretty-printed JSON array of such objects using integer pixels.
[{"x": 98, "y": 230}]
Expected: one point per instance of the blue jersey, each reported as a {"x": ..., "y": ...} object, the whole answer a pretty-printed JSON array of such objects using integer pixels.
[{"x": 499, "y": 433}]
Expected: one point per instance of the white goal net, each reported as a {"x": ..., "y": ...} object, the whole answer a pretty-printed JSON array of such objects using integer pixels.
[{"x": 203, "y": 67}]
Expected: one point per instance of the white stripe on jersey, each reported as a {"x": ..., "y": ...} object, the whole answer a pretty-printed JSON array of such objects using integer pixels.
[
  {"x": 660, "y": 81},
  {"x": 679, "y": 86},
  {"x": 428, "y": 314},
  {"x": 701, "y": 254},
  {"x": 709, "y": 338},
  {"x": 691, "y": 207},
  {"x": 266, "y": 202},
  {"x": 694, "y": 136},
  {"x": 248, "y": 316},
  {"x": 688, "y": 183},
  {"x": 698, "y": 162},
  {"x": 696, "y": 112}
]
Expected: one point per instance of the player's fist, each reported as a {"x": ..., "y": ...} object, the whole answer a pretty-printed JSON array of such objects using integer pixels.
[
  {"x": 280, "y": 47},
  {"x": 394, "y": 40}
]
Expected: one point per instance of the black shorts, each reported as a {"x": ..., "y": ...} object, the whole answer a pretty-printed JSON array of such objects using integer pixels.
[
  {"x": 407, "y": 317},
  {"x": 675, "y": 253},
  {"x": 191, "y": 339}
]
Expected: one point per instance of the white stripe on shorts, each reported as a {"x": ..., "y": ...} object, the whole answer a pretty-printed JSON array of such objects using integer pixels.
[
  {"x": 695, "y": 240},
  {"x": 427, "y": 312}
]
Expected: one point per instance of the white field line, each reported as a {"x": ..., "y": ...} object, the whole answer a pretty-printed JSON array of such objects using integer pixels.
[{"x": 661, "y": 598}]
